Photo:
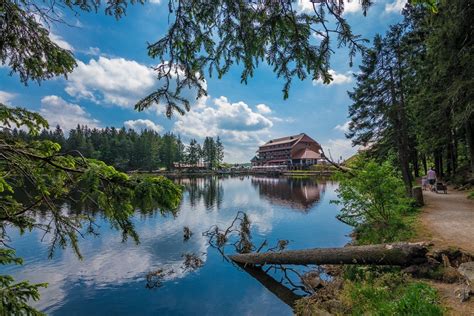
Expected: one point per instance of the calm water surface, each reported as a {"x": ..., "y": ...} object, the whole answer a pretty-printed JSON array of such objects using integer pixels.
[{"x": 111, "y": 278}]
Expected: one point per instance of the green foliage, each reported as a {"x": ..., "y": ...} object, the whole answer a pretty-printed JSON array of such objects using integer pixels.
[
  {"x": 125, "y": 149},
  {"x": 372, "y": 291},
  {"x": 36, "y": 171},
  {"x": 213, "y": 152},
  {"x": 25, "y": 43},
  {"x": 374, "y": 195},
  {"x": 22, "y": 117},
  {"x": 211, "y": 37},
  {"x": 431, "y": 4},
  {"x": 193, "y": 152},
  {"x": 14, "y": 297},
  {"x": 470, "y": 196},
  {"x": 414, "y": 91},
  {"x": 26, "y": 46}
]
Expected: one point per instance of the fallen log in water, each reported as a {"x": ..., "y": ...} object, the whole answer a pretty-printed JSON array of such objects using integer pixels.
[{"x": 399, "y": 254}]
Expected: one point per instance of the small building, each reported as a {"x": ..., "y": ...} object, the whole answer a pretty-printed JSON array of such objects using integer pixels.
[
  {"x": 187, "y": 166},
  {"x": 291, "y": 151}
]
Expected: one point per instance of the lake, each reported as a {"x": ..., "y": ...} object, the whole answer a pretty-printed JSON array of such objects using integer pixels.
[{"x": 111, "y": 279}]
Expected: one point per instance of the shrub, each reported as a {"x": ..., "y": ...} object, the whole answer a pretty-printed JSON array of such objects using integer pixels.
[{"x": 373, "y": 200}]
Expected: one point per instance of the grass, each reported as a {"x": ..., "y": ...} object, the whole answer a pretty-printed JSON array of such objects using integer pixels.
[
  {"x": 377, "y": 290},
  {"x": 386, "y": 290},
  {"x": 389, "y": 293},
  {"x": 470, "y": 195}
]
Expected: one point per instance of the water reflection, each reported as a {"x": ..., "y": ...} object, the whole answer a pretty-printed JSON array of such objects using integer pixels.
[
  {"x": 278, "y": 289},
  {"x": 206, "y": 189},
  {"x": 300, "y": 194},
  {"x": 112, "y": 277}
]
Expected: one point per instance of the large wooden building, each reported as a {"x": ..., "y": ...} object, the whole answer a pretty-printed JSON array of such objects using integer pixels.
[{"x": 296, "y": 150}]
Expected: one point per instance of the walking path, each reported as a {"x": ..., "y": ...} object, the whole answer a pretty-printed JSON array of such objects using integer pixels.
[{"x": 449, "y": 219}]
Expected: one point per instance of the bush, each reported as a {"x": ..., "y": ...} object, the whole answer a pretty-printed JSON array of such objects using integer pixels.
[{"x": 373, "y": 201}]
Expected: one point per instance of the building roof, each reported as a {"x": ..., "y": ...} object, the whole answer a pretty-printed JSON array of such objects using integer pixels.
[
  {"x": 306, "y": 153},
  {"x": 283, "y": 140}
]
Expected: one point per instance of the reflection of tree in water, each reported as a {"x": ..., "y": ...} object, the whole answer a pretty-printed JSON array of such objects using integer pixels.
[
  {"x": 284, "y": 293},
  {"x": 80, "y": 207},
  {"x": 300, "y": 194},
  {"x": 206, "y": 189},
  {"x": 292, "y": 284},
  {"x": 156, "y": 278}
]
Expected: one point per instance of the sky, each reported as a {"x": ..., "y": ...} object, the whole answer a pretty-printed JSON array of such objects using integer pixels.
[{"x": 114, "y": 72}]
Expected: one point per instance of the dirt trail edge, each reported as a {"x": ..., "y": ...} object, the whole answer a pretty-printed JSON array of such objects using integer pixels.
[{"x": 449, "y": 219}]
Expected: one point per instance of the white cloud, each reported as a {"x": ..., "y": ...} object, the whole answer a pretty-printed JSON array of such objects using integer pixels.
[
  {"x": 6, "y": 97},
  {"x": 350, "y": 6},
  {"x": 60, "y": 41},
  {"x": 396, "y": 6},
  {"x": 140, "y": 125},
  {"x": 59, "y": 112},
  {"x": 236, "y": 119},
  {"x": 339, "y": 147},
  {"x": 119, "y": 82},
  {"x": 239, "y": 127},
  {"x": 305, "y": 5},
  {"x": 94, "y": 51},
  {"x": 155, "y": 1},
  {"x": 337, "y": 78},
  {"x": 114, "y": 81},
  {"x": 343, "y": 128},
  {"x": 264, "y": 109}
]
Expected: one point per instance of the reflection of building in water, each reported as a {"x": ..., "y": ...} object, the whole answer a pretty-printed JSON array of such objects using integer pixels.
[
  {"x": 207, "y": 189},
  {"x": 299, "y": 194}
]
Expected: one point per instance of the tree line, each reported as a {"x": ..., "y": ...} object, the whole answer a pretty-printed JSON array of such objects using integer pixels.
[
  {"x": 413, "y": 99},
  {"x": 127, "y": 149}
]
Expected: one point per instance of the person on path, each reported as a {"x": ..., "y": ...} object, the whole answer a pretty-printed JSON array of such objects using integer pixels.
[
  {"x": 424, "y": 183},
  {"x": 431, "y": 175}
]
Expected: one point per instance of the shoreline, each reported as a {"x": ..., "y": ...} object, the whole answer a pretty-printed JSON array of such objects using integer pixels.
[{"x": 298, "y": 173}]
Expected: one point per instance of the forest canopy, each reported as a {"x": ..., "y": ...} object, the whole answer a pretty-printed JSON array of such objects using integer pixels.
[
  {"x": 127, "y": 149},
  {"x": 413, "y": 99}
]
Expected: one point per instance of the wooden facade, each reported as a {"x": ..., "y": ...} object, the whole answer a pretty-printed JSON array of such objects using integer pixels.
[{"x": 296, "y": 150}]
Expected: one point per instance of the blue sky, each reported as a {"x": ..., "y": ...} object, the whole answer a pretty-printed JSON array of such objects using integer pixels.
[{"x": 114, "y": 72}]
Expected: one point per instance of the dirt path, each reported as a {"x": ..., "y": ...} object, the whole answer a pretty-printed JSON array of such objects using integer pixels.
[{"x": 448, "y": 219}]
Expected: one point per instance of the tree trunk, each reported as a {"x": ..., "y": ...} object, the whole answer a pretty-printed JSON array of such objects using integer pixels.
[
  {"x": 449, "y": 167},
  {"x": 425, "y": 165},
  {"x": 418, "y": 196},
  {"x": 404, "y": 150},
  {"x": 455, "y": 155},
  {"x": 470, "y": 141},
  {"x": 399, "y": 122},
  {"x": 438, "y": 157},
  {"x": 399, "y": 254},
  {"x": 416, "y": 166},
  {"x": 441, "y": 167}
]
